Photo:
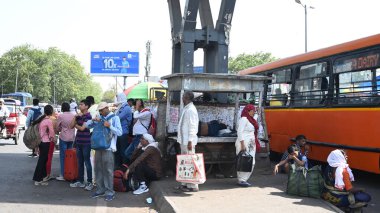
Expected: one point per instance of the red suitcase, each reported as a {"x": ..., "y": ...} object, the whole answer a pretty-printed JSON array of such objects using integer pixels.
[{"x": 71, "y": 165}]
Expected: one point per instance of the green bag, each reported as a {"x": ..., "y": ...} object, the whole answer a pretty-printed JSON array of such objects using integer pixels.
[{"x": 305, "y": 182}]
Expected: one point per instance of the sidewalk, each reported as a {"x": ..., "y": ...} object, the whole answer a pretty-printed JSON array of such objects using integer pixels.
[{"x": 223, "y": 195}]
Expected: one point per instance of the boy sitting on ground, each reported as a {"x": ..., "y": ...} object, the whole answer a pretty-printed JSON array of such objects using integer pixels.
[
  {"x": 294, "y": 157},
  {"x": 300, "y": 143}
]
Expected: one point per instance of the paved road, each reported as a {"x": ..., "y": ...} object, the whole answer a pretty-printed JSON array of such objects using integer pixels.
[{"x": 18, "y": 193}]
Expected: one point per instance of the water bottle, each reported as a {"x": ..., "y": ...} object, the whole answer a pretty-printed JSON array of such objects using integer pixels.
[{"x": 149, "y": 200}]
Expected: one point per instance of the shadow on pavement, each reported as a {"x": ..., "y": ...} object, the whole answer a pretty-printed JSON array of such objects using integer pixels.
[
  {"x": 18, "y": 187},
  {"x": 265, "y": 191}
]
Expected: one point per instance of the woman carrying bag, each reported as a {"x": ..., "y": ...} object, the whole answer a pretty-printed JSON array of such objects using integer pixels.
[
  {"x": 246, "y": 144},
  {"x": 47, "y": 133}
]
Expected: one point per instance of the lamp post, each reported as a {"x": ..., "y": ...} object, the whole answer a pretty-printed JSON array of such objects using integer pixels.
[
  {"x": 305, "y": 7},
  {"x": 16, "y": 78},
  {"x": 18, "y": 66},
  {"x": 54, "y": 91}
]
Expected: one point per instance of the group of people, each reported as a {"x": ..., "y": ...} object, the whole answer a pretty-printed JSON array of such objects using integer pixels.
[
  {"x": 338, "y": 176},
  {"x": 130, "y": 144}
]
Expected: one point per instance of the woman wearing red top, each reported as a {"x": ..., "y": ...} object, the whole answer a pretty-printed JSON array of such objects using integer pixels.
[{"x": 47, "y": 134}]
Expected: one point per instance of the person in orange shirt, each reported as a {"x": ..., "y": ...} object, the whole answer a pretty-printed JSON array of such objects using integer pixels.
[{"x": 339, "y": 177}]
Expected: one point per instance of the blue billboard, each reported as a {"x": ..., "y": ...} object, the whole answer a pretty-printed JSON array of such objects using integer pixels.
[
  {"x": 115, "y": 63},
  {"x": 198, "y": 69}
]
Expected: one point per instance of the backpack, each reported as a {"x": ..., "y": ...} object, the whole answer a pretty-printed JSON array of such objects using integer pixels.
[
  {"x": 36, "y": 113},
  {"x": 101, "y": 136},
  {"x": 119, "y": 184},
  {"x": 122, "y": 185},
  {"x": 152, "y": 125},
  {"x": 32, "y": 138}
]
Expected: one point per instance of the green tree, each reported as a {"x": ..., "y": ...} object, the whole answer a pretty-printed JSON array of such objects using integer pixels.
[
  {"x": 244, "y": 61},
  {"x": 109, "y": 96},
  {"x": 50, "y": 75}
]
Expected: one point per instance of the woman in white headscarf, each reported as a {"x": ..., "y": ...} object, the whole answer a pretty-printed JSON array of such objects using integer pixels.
[
  {"x": 338, "y": 179},
  {"x": 146, "y": 163}
]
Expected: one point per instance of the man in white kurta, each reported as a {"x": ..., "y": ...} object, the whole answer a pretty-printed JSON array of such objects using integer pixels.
[{"x": 187, "y": 132}]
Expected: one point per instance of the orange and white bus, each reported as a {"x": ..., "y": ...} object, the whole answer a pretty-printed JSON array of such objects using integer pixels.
[{"x": 332, "y": 96}]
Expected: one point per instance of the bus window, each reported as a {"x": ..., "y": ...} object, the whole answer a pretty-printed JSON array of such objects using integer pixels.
[
  {"x": 354, "y": 87},
  {"x": 311, "y": 85},
  {"x": 377, "y": 88},
  {"x": 278, "y": 90}
]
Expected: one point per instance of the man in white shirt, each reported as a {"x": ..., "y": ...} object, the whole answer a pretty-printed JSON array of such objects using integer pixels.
[
  {"x": 4, "y": 113},
  {"x": 73, "y": 106},
  {"x": 187, "y": 133}
]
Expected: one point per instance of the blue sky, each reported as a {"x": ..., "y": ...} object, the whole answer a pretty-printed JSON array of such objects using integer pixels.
[{"x": 276, "y": 26}]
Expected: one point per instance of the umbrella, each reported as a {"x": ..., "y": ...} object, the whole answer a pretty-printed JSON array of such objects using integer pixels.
[
  {"x": 129, "y": 89},
  {"x": 145, "y": 90}
]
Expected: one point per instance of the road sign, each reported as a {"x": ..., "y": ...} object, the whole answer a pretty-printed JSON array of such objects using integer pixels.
[{"x": 115, "y": 63}]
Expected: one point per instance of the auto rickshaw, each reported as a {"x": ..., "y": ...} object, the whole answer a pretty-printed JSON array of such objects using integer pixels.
[{"x": 12, "y": 121}]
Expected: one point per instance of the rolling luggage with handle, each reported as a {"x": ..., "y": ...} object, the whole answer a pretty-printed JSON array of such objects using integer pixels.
[{"x": 71, "y": 165}]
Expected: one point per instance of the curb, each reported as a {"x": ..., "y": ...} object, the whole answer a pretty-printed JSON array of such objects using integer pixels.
[{"x": 163, "y": 203}]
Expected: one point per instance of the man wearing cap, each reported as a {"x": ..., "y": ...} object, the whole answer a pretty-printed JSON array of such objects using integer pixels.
[
  {"x": 104, "y": 159},
  {"x": 4, "y": 113}
]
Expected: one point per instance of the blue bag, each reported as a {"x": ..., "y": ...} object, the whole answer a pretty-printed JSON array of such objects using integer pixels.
[{"x": 101, "y": 136}]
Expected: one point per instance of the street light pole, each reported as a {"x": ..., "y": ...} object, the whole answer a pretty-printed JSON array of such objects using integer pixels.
[
  {"x": 54, "y": 91},
  {"x": 305, "y": 7},
  {"x": 16, "y": 78},
  {"x": 305, "y": 28}
]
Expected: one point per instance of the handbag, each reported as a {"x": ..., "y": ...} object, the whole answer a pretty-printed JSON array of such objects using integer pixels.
[
  {"x": 244, "y": 162},
  {"x": 101, "y": 136}
]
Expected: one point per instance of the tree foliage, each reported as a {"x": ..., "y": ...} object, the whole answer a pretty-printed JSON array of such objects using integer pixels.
[
  {"x": 109, "y": 95},
  {"x": 244, "y": 61},
  {"x": 41, "y": 72}
]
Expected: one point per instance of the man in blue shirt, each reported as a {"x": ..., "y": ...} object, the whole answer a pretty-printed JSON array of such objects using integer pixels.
[
  {"x": 124, "y": 112},
  {"x": 33, "y": 113},
  {"x": 300, "y": 144},
  {"x": 104, "y": 159}
]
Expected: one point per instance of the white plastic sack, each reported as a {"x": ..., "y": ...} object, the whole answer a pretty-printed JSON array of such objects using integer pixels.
[{"x": 190, "y": 168}]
